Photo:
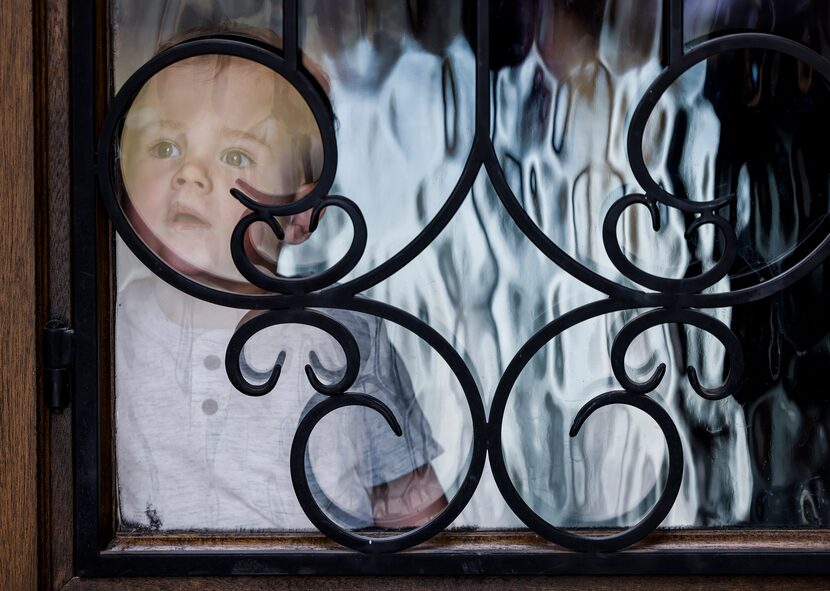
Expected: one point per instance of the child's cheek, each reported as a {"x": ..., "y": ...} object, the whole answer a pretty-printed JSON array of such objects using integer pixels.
[
  {"x": 246, "y": 174},
  {"x": 148, "y": 190}
]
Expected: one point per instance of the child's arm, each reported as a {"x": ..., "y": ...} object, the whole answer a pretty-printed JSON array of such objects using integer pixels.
[
  {"x": 408, "y": 501},
  {"x": 402, "y": 486}
]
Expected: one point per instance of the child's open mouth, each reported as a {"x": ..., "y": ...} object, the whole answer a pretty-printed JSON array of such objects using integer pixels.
[{"x": 185, "y": 218}]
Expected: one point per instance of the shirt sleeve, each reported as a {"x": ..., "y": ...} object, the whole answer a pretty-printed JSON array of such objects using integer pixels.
[{"x": 383, "y": 375}]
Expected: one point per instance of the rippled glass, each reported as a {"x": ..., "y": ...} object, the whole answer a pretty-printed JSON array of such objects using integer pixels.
[{"x": 566, "y": 77}]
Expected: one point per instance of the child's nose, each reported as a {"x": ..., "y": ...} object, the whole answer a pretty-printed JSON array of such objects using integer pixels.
[{"x": 195, "y": 174}]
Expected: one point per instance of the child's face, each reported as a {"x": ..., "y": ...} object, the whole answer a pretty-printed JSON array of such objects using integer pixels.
[{"x": 194, "y": 131}]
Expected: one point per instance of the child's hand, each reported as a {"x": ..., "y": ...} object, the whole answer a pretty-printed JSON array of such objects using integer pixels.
[{"x": 408, "y": 501}]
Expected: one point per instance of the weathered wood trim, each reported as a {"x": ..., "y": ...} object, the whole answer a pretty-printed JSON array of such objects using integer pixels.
[
  {"x": 52, "y": 219},
  {"x": 485, "y": 541},
  {"x": 18, "y": 335},
  {"x": 37, "y": 210},
  {"x": 702, "y": 583}
]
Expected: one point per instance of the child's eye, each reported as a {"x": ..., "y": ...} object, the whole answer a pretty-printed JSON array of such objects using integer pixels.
[
  {"x": 165, "y": 149},
  {"x": 237, "y": 159}
]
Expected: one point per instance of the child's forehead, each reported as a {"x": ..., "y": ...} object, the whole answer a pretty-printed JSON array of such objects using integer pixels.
[
  {"x": 224, "y": 83},
  {"x": 224, "y": 92}
]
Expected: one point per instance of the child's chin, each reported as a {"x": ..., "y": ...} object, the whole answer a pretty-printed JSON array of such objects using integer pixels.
[{"x": 182, "y": 266}]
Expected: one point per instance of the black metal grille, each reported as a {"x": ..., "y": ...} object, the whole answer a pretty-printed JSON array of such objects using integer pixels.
[{"x": 290, "y": 300}]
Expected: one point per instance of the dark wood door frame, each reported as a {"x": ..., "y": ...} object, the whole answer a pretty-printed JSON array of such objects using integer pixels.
[
  {"x": 18, "y": 483},
  {"x": 36, "y": 467}
]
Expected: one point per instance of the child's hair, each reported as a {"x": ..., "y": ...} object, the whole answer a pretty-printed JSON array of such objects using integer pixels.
[{"x": 258, "y": 35}]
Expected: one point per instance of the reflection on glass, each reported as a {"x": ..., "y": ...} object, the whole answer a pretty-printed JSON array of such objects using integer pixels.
[{"x": 805, "y": 22}]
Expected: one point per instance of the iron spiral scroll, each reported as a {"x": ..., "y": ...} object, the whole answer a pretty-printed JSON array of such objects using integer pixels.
[{"x": 305, "y": 300}]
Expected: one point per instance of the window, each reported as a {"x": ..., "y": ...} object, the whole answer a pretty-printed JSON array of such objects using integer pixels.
[{"x": 573, "y": 254}]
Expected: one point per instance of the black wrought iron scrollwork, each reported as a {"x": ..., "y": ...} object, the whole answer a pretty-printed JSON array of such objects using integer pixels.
[
  {"x": 266, "y": 214},
  {"x": 304, "y": 300},
  {"x": 288, "y": 300},
  {"x": 666, "y": 500},
  {"x": 636, "y": 399},
  {"x": 675, "y": 300},
  {"x": 262, "y": 320},
  {"x": 705, "y": 322},
  {"x": 340, "y": 399},
  {"x": 696, "y": 284}
]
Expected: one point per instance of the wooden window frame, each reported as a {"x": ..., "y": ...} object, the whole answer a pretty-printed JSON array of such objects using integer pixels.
[{"x": 37, "y": 514}]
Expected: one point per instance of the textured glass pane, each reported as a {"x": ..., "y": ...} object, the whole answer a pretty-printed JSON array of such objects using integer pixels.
[
  {"x": 565, "y": 82},
  {"x": 193, "y": 453}
]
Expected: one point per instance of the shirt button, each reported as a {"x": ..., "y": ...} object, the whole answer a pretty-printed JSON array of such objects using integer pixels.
[
  {"x": 210, "y": 406},
  {"x": 212, "y": 362}
]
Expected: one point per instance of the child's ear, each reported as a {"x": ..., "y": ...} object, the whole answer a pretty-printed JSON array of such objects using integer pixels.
[{"x": 297, "y": 226}]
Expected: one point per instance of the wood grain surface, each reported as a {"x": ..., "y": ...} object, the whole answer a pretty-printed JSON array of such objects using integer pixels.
[
  {"x": 456, "y": 583},
  {"x": 35, "y": 206},
  {"x": 18, "y": 486},
  {"x": 482, "y": 542},
  {"x": 52, "y": 219}
]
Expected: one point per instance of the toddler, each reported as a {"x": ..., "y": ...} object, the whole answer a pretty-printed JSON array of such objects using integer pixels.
[{"x": 192, "y": 452}]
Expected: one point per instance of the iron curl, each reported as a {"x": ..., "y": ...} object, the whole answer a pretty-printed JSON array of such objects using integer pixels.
[
  {"x": 712, "y": 325},
  {"x": 255, "y": 322}
]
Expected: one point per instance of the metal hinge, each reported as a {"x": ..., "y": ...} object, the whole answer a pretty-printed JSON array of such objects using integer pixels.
[{"x": 58, "y": 361}]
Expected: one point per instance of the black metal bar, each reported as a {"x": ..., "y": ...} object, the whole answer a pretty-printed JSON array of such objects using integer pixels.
[
  {"x": 676, "y": 32},
  {"x": 84, "y": 286},
  {"x": 482, "y": 50},
  {"x": 290, "y": 32},
  {"x": 448, "y": 562}
]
